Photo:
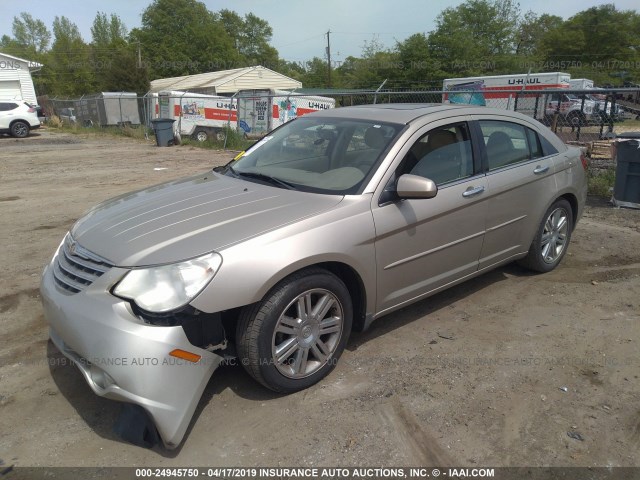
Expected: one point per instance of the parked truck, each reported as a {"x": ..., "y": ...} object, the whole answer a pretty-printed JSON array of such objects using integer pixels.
[{"x": 603, "y": 104}]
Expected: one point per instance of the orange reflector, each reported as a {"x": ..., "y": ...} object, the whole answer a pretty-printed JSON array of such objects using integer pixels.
[{"x": 184, "y": 355}]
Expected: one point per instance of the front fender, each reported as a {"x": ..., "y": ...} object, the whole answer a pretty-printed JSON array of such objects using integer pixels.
[{"x": 345, "y": 234}]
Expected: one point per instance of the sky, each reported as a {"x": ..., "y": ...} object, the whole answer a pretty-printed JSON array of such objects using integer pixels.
[{"x": 299, "y": 26}]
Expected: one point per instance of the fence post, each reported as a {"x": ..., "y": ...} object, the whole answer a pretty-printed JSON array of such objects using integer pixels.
[
  {"x": 580, "y": 118},
  {"x": 613, "y": 111},
  {"x": 120, "y": 106},
  {"x": 375, "y": 95},
  {"x": 226, "y": 135}
]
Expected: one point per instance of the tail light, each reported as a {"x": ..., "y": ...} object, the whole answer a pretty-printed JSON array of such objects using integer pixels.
[
  {"x": 32, "y": 110},
  {"x": 583, "y": 159}
]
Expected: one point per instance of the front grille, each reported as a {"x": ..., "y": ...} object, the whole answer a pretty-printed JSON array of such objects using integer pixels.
[{"x": 76, "y": 268}]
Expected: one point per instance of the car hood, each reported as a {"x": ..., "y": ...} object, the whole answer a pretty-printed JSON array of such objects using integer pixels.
[{"x": 190, "y": 217}]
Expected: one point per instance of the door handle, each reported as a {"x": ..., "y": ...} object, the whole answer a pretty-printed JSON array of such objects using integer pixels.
[
  {"x": 471, "y": 191},
  {"x": 538, "y": 170}
]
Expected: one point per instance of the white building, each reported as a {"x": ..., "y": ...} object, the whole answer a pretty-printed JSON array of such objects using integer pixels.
[
  {"x": 15, "y": 78},
  {"x": 227, "y": 82}
]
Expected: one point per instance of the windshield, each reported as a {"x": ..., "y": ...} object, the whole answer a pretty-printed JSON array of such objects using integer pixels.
[{"x": 323, "y": 155}]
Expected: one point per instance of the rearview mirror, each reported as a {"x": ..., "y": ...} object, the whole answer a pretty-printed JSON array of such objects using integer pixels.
[{"x": 413, "y": 186}]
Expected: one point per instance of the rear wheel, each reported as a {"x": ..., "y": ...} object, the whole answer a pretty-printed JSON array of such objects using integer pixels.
[
  {"x": 201, "y": 135},
  {"x": 295, "y": 335},
  {"x": 19, "y": 129},
  {"x": 552, "y": 238}
]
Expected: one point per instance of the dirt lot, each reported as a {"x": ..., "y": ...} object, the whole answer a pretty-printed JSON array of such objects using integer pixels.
[{"x": 471, "y": 377}]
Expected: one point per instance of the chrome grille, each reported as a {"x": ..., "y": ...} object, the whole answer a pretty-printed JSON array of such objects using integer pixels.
[{"x": 76, "y": 268}]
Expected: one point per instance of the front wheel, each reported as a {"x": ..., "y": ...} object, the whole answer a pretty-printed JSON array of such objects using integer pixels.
[
  {"x": 576, "y": 119},
  {"x": 552, "y": 238},
  {"x": 201, "y": 135},
  {"x": 294, "y": 337},
  {"x": 19, "y": 129}
]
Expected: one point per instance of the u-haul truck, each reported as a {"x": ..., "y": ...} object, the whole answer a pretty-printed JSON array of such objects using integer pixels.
[
  {"x": 500, "y": 91},
  {"x": 199, "y": 116},
  {"x": 260, "y": 111}
]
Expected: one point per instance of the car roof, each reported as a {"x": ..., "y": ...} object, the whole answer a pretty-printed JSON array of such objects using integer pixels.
[{"x": 404, "y": 113}]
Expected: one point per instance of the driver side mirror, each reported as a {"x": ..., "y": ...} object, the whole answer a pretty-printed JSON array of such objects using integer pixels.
[{"x": 414, "y": 186}]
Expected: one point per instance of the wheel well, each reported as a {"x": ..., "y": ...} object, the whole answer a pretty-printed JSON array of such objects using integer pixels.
[
  {"x": 21, "y": 121},
  {"x": 356, "y": 288},
  {"x": 573, "y": 201}
]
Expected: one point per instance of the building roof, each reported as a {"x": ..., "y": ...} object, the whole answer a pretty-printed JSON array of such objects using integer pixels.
[
  {"x": 32, "y": 65},
  {"x": 227, "y": 81}
]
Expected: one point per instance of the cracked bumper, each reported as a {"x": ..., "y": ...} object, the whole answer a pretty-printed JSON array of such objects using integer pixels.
[{"x": 124, "y": 359}]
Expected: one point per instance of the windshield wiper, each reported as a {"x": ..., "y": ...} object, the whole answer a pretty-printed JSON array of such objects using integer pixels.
[{"x": 261, "y": 176}]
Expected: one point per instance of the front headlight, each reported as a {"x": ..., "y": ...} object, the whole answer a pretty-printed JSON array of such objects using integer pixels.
[{"x": 168, "y": 287}]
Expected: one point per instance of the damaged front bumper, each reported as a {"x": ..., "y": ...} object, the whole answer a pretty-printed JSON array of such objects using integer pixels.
[{"x": 123, "y": 358}]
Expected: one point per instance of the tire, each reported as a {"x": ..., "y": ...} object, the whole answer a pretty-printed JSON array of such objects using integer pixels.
[
  {"x": 576, "y": 118},
  {"x": 552, "y": 238},
  {"x": 201, "y": 135},
  {"x": 220, "y": 135},
  {"x": 283, "y": 347},
  {"x": 20, "y": 129}
]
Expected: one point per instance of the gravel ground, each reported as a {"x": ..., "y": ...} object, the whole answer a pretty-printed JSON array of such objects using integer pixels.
[{"x": 503, "y": 370}]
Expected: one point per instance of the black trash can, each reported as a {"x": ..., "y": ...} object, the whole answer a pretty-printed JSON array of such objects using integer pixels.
[
  {"x": 163, "y": 128},
  {"x": 626, "y": 190}
]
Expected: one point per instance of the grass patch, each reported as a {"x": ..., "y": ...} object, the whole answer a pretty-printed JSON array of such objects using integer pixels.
[
  {"x": 137, "y": 131},
  {"x": 601, "y": 181},
  {"x": 235, "y": 141}
]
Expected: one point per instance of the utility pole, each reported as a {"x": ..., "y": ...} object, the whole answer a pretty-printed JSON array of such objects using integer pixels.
[{"x": 329, "y": 58}]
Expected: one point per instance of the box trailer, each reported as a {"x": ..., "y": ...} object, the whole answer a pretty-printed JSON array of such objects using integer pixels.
[
  {"x": 107, "y": 109},
  {"x": 197, "y": 115},
  {"x": 260, "y": 111}
]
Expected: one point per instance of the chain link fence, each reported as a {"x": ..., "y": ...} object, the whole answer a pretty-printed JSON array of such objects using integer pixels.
[{"x": 590, "y": 118}]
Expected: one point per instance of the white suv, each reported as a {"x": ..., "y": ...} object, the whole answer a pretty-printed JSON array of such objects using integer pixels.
[{"x": 17, "y": 118}]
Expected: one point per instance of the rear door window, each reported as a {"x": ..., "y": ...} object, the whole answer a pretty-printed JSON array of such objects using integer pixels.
[{"x": 505, "y": 142}]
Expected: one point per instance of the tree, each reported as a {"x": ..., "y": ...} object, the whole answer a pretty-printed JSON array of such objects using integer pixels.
[
  {"x": 182, "y": 37},
  {"x": 475, "y": 37},
  {"x": 419, "y": 69},
  {"x": 115, "y": 60},
  {"x": 369, "y": 71},
  {"x": 251, "y": 36},
  {"x": 69, "y": 66},
  {"x": 31, "y": 33},
  {"x": 595, "y": 43},
  {"x": 107, "y": 31},
  {"x": 532, "y": 30}
]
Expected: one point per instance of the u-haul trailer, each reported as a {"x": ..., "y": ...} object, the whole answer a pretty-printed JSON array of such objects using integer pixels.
[
  {"x": 500, "y": 91},
  {"x": 199, "y": 116},
  {"x": 260, "y": 111}
]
